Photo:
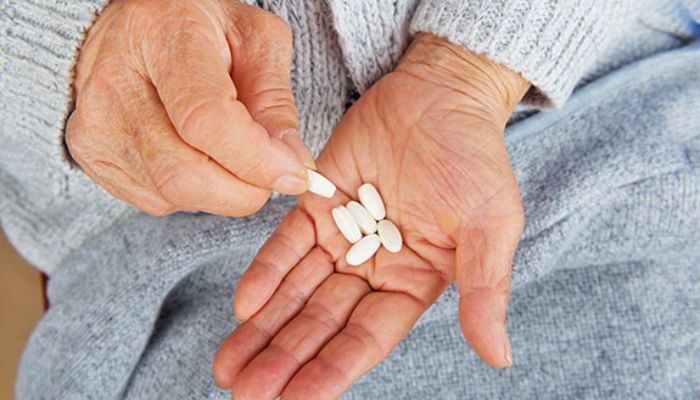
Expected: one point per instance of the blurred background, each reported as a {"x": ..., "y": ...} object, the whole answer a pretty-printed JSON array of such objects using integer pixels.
[{"x": 21, "y": 306}]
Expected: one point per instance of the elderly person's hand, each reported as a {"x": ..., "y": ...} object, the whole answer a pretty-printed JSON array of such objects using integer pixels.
[
  {"x": 429, "y": 136},
  {"x": 187, "y": 105}
]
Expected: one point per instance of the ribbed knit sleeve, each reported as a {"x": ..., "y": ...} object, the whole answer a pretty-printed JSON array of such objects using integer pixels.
[
  {"x": 550, "y": 42},
  {"x": 47, "y": 205},
  {"x": 39, "y": 46}
]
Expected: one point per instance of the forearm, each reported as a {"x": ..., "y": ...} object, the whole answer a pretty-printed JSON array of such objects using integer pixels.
[{"x": 551, "y": 44}]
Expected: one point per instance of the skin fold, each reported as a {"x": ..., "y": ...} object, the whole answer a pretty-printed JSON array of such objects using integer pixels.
[{"x": 429, "y": 136}]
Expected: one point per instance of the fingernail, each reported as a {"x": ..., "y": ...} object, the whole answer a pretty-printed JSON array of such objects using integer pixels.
[
  {"x": 292, "y": 139},
  {"x": 291, "y": 184},
  {"x": 508, "y": 355}
]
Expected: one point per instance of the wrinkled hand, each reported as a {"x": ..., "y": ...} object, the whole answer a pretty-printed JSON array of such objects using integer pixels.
[
  {"x": 187, "y": 105},
  {"x": 429, "y": 136}
]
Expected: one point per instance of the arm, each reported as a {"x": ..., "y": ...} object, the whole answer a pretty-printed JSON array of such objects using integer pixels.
[
  {"x": 43, "y": 195},
  {"x": 550, "y": 43},
  {"x": 429, "y": 136}
]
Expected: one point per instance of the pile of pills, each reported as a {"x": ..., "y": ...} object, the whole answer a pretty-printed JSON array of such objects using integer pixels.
[{"x": 362, "y": 223}]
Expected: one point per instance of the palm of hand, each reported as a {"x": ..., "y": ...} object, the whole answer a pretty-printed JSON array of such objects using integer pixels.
[{"x": 316, "y": 324}]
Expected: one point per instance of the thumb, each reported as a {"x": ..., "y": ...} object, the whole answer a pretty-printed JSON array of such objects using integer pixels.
[
  {"x": 261, "y": 72},
  {"x": 482, "y": 273}
]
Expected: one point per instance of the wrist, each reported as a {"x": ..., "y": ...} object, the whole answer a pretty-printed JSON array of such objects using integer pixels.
[{"x": 493, "y": 88}]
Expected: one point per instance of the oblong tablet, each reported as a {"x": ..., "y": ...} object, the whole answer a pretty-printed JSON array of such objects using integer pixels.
[
  {"x": 320, "y": 185},
  {"x": 370, "y": 198},
  {"x": 363, "y": 250},
  {"x": 346, "y": 224},
  {"x": 390, "y": 236},
  {"x": 363, "y": 218}
]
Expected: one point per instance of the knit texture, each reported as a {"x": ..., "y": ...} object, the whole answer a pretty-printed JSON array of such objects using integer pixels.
[
  {"x": 605, "y": 281},
  {"x": 48, "y": 207}
]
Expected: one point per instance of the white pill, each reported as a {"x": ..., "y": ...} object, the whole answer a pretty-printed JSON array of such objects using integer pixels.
[
  {"x": 370, "y": 198},
  {"x": 363, "y": 218},
  {"x": 389, "y": 235},
  {"x": 320, "y": 185},
  {"x": 363, "y": 250},
  {"x": 346, "y": 224}
]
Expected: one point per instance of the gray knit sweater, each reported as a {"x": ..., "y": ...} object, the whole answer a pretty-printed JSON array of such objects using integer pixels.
[{"x": 606, "y": 283}]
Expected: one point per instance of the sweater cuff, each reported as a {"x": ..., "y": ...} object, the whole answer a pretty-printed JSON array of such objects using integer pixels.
[
  {"x": 40, "y": 41},
  {"x": 43, "y": 199},
  {"x": 550, "y": 43}
]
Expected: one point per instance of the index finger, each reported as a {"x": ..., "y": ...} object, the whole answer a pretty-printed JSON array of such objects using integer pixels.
[
  {"x": 376, "y": 326},
  {"x": 201, "y": 101}
]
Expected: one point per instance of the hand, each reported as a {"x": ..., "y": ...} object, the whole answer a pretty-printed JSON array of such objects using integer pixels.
[
  {"x": 429, "y": 136},
  {"x": 187, "y": 105}
]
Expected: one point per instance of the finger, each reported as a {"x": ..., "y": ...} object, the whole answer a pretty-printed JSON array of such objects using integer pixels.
[
  {"x": 183, "y": 175},
  {"x": 376, "y": 326},
  {"x": 251, "y": 337},
  {"x": 307, "y": 224},
  {"x": 201, "y": 101},
  {"x": 261, "y": 73},
  {"x": 482, "y": 274},
  {"x": 287, "y": 245},
  {"x": 124, "y": 187},
  {"x": 99, "y": 146},
  {"x": 324, "y": 315}
]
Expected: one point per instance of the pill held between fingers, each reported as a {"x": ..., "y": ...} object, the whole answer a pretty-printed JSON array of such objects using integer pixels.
[
  {"x": 320, "y": 185},
  {"x": 346, "y": 224},
  {"x": 363, "y": 218},
  {"x": 370, "y": 198},
  {"x": 389, "y": 235},
  {"x": 363, "y": 250}
]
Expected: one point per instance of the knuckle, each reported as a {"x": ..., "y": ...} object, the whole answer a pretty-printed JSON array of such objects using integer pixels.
[
  {"x": 147, "y": 17},
  {"x": 171, "y": 179},
  {"x": 160, "y": 210},
  {"x": 255, "y": 203},
  {"x": 78, "y": 141},
  {"x": 105, "y": 73},
  {"x": 171, "y": 28},
  {"x": 136, "y": 7},
  {"x": 273, "y": 100},
  {"x": 143, "y": 8},
  {"x": 278, "y": 26},
  {"x": 254, "y": 166},
  {"x": 279, "y": 36},
  {"x": 183, "y": 35},
  {"x": 75, "y": 140},
  {"x": 291, "y": 292},
  {"x": 192, "y": 116},
  {"x": 268, "y": 28},
  {"x": 89, "y": 127}
]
